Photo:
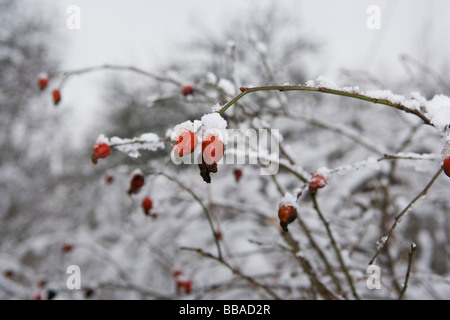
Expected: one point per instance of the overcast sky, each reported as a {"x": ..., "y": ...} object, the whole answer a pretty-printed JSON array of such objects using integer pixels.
[{"x": 144, "y": 33}]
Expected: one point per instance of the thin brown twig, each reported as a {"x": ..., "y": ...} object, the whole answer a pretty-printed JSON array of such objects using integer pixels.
[
  {"x": 408, "y": 271},
  {"x": 399, "y": 217},
  {"x": 355, "y": 95}
]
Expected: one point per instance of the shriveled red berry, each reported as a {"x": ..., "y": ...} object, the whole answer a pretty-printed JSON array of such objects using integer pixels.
[
  {"x": 187, "y": 90},
  {"x": 186, "y": 143},
  {"x": 287, "y": 214},
  {"x": 56, "y": 94},
  {"x": 67, "y": 247},
  {"x": 136, "y": 183},
  {"x": 446, "y": 166},
  {"x": 147, "y": 205},
  {"x": 212, "y": 149},
  {"x": 42, "y": 82},
  {"x": 101, "y": 150},
  {"x": 237, "y": 174},
  {"x": 318, "y": 181}
]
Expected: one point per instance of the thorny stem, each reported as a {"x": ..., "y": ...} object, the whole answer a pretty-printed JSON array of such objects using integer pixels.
[
  {"x": 408, "y": 271},
  {"x": 354, "y": 95},
  {"x": 334, "y": 244},
  {"x": 68, "y": 74},
  {"x": 235, "y": 271},
  {"x": 399, "y": 217}
]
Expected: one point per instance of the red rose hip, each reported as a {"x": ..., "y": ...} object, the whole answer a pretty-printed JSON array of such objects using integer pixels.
[
  {"x": 212, "y": 149},
  {"x": 187, "y": 90},
  {"x": 287, "y": 214},
  {"x": 186, "y": 143},
  {"x": 446, "y": 166},
  {"x": 42, "y": 82},
  {"x": 56, "y": 94},
  {"x": 318, "y": 180},
  {"x": 147, "y": 205},
  {"x": 136, "y": 183}
]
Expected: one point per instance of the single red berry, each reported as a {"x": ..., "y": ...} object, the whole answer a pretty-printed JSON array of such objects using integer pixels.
[
  {"x": 147, "y": 205},
  {"x": 446, "y": 166},
  {"x": 237, "y": 174},
  {"x": 109, "y": 178},
  {"x": 212, "y": 149},
  {"x": 318, "y": 181},
  {"x": 67, "y": 247},
  {"x": 186, "y": 143},
  {"x": 286, "y": 214},
  {"x": 187, "y": 90},
  {"x": 42, "y": 82},
  {"x": 136, "y": 183},
  {"x": 37, "y": 296},
  {"x": 101, "y": 150},
  {"x": 218, "y": 235},
  {"x": 56, "y": 96}
]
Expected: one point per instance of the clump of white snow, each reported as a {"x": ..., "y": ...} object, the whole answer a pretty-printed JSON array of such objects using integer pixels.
[
  {"x": 445, "y": 152},
  {"x": 102, "y": 139},
  {"x": 214, "y": 124},
  {"x": 211, "y": 78},
  {"x": 146, "y": 141},
  {"x": 288, "y": 200},
  {"x": 180, "y": 128},
  {"x": 227, "y": 86},
  {"x": 325, "y": 82},
  {"x": 216, "y": 107},
  {"x": 438, "y": 110}
]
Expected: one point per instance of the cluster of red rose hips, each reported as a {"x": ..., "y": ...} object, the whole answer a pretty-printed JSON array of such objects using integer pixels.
[{"x": 212, "y": 147}]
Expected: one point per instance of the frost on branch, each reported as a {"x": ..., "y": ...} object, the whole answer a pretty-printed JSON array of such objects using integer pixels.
[
  {"x": 146, "y": 141},
  {"x": 438, "y": 110}
]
